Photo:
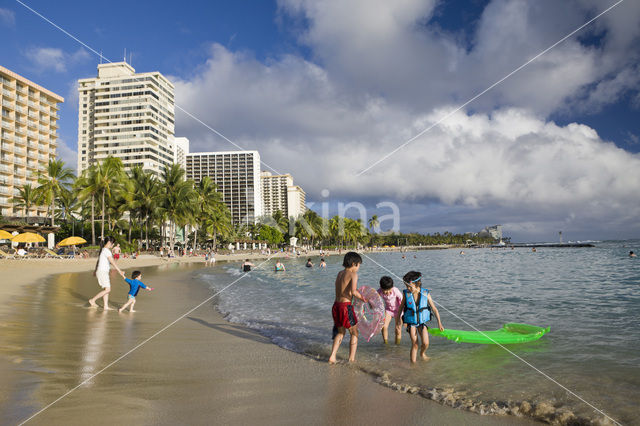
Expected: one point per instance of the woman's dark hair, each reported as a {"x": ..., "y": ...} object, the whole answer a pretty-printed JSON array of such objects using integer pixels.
[
  {"x": 386, "y": 283},
  {"x": 135, "y": 274},
  {"x": 412, "y": 277},
  {"x": 350, "y": 259},
  {"x": 103, "y": 243}
]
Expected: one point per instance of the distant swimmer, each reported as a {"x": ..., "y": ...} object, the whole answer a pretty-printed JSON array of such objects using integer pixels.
[
  {"x": 461, "y": 252},
  {"x": 323, "y": 264},
  {"x": 246, "y": 266},
  {"x": 632, "y": 254},
  {"x": 533, "y": 250},
  {"x": 280, "y": 266},
  {"x": 309, "y": 263}
]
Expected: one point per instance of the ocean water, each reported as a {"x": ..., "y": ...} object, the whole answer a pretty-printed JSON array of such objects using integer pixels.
[{"x": 590, "y": 297}]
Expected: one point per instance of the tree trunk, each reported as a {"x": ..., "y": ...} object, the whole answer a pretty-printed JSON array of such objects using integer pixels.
[
  {"x": 102, "y": 218},
  {"x": 130, "y": 227},
  {"x": 53, "y": 210},
  {"x": 146, "y": 231},
  {"x": 93, "y": 221},
  {"x": 195, "y": 239},
  {"x": 215, "y": 237}
]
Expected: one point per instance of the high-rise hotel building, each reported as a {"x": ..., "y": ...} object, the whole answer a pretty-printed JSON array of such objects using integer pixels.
[
  {"x": 237, "y": 175},
  {"x": 279, "y": 193},
  {"x": 28, "y": 137},
  {"x": 127, "y": 115}
]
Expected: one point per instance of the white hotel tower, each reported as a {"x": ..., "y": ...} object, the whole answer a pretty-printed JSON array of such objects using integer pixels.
[
  {"x": 126, "y": 115},
  {"x": 237, "y": 176}
]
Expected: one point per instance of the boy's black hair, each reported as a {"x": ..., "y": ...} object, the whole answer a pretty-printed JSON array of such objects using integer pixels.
[
  {"x": 386, "y": 283},
  {"x": 308, "y": 259},
  {"x": 350, "y": 259},
  {"x": 135, "y": 274},
  {"x": 321, "y": 260},
  {"x": 411, "y": 276}
]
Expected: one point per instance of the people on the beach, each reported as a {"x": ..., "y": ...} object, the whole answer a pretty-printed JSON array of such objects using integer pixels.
[
  {"x": 134, "y": 287},
  {"x": 392, "y": 297},
  {"x": 322, "y": 264},
  {"x": 417, "y": 307},
  {"x": 279, "y": 266},
  {"x": 632, "y": 254},
  {"x": 344, "y": 317},
  {"x": 116, "y": 252},
  {"x": 309, "y": 263},
  {"x": 246, "y": 266},
  {"x": 101, "y": 272}
]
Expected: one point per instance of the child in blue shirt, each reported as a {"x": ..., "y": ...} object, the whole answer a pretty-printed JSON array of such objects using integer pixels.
[{"x": 134, "y": 286}]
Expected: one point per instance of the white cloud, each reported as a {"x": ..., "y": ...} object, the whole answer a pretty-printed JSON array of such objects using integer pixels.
[
  {"x": 378, "y": 75},
  {"x": 7, "y": 17},
  {"x": 67, "y": 154},
  {"x": 50, "y": 58}
]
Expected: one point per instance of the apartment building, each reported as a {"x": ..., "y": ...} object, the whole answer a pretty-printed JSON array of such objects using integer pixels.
[
  {"x": 28, "y": 137},
  {"x": 127, "y": 115},
  {"x": 180, "y": 149},
  {"x": 279, "y": 193},
  {"x": 237, "y": 175}
]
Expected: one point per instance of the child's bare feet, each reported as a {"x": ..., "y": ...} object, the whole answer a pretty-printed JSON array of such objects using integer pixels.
[
  {"x": 332, "y": 360},
  {"x": 397, "y": 340},
  {"x": 92, "y": 303},
  {"x": 131, "y": 310},
  {"x": 425, "y": 357},
  {"x": 106, "y": 308},
  {"x": 120, "y": 310}
]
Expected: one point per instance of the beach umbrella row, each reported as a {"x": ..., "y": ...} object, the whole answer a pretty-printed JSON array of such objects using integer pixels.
[{"x": 30, "y": 237}]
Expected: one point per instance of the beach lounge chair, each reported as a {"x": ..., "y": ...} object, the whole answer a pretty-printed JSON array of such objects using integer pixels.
[
  {"x": 5, "y": 255},
  {"x": 53, "y": 254}
]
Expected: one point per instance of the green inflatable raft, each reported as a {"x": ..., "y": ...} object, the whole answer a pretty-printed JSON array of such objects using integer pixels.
[{"x": 508, "y": 334}]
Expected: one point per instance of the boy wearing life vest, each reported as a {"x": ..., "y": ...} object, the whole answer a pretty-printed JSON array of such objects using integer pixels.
[
  {"x": 417, "y": 307},
  {"x": 344, "y": 317}
]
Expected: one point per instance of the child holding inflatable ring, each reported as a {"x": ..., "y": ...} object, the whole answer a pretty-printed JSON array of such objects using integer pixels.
[{"x": 417, "y": 306}]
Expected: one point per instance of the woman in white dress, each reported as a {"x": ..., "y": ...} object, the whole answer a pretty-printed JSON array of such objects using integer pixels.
[{"x": 105, "y": 258}]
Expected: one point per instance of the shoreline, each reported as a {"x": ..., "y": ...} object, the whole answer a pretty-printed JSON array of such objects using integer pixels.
[{"x": 304, "y": 380}]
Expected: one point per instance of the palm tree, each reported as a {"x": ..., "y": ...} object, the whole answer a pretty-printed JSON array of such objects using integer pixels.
[
  {"x": 86, "y": 188},
  {"x": 109, "y": 176},
  {"x": 68, "y": 203},
  {"x": 219, "y": 222},
  {"x": 146, "y": 199},
  {"x": 207, "y": 198},
  {"x": 374, "y": 223},
  {"x": 26, "y": 199},
  {"x": 51, "y": 184},
  {"x": 179, "y": 200}
]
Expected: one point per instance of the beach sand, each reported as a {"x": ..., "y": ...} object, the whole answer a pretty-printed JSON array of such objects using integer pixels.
[{"x": 200, "y": 370}]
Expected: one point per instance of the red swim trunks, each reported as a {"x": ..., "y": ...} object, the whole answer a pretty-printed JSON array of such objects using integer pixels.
[{"x": 343, "y": 315}]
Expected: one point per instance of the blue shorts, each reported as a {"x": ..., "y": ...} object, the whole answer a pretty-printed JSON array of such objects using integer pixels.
[{"x": 131, "y": 297}]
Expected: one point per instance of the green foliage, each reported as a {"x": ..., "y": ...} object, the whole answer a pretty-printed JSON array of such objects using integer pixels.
[{"x": 270, "y": 234}]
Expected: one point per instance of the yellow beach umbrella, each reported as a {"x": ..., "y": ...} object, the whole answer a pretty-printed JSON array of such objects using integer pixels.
[
  {"x": 72, "y": 241},
  {"x": 28, "y": 237},
  {"x": 4, "y": 235}
]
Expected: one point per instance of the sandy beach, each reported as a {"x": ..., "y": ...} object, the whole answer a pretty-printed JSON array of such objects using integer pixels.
[{"x": 200, "y": 370}]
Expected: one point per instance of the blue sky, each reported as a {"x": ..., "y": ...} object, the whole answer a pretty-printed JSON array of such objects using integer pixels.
[{"x": 341, "y": 84}]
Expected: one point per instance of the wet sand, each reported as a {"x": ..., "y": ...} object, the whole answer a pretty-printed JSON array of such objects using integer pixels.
[{"x": 201, "y": 370}]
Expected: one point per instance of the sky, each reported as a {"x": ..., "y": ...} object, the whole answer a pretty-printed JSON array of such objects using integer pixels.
[{"x": 365, "y": 101}]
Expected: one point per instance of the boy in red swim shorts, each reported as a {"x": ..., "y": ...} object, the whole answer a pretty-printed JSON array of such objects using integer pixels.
[{"x": 343, "y": 316}]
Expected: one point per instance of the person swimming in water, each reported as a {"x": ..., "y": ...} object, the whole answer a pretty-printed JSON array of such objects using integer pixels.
[
  {"x": 632, "y": 254},
  {"x": 279, "y": 266},
  {"x": 309, "y": 263},
  {"x": 246, "y": 266},
  {"x": 323, "y": 264}
]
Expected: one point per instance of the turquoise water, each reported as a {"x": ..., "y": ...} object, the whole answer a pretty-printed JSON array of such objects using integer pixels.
[{"x": 590, "y": 297}]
